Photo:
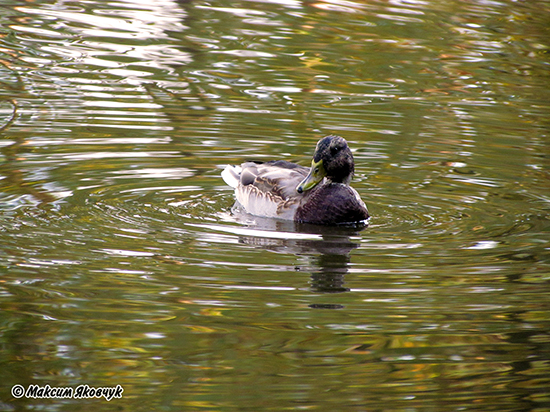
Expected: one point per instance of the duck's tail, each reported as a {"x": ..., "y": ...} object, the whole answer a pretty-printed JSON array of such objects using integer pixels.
[{"x": 232, "y": 175}]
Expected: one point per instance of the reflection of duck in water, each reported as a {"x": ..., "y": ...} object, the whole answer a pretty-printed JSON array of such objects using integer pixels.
[
  {"x": 323, "y": 251},
  {"x": 320, "y": 195}
]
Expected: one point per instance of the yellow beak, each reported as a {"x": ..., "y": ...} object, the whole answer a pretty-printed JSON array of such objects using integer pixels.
[{"x": 315, "y": 176}]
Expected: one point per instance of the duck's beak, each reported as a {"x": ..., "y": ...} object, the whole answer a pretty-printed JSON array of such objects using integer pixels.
[{"x": 315, "y": 176}]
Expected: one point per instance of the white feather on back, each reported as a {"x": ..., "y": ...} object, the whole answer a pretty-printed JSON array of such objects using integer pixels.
[{"x": 231, "y": 175}]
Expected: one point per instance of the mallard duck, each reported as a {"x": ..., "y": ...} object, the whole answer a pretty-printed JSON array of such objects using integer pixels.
[{"x": 319, "y": 195}]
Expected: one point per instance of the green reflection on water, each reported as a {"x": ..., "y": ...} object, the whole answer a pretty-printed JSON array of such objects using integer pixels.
[{"x": 124, "y": 263}]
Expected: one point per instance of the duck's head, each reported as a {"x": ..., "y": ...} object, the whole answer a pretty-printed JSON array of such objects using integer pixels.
[{"x": 332, "y": 159}]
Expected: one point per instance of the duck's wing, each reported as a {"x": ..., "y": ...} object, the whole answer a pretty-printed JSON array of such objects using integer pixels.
[
  {"x": 267, "y": 189},
  {"x": 279, "y": 177}
]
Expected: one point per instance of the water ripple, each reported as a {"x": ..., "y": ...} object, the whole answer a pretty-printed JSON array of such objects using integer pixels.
[{"x": 121, "y": 253}]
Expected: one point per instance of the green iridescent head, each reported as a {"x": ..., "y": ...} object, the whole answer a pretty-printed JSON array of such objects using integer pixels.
[{"x": 332, "y": 160}]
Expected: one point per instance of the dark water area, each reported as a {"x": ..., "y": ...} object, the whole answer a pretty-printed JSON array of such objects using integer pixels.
[{"x": 122, "y": 261}]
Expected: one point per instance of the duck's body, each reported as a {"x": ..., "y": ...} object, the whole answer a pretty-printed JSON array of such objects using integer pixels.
[{"x": 285, "y": 190}]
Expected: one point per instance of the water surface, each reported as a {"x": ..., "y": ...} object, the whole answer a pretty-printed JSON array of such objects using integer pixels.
[{"x": 123, "y": 262}]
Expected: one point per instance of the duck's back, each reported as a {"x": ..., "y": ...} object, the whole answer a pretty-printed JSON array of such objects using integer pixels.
[
  {"x": 277, "y": 177},
  {"x": 267, "y": 189}
]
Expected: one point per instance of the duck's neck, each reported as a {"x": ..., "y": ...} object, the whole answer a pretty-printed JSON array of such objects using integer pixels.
[{"x": 343, "y": 180}]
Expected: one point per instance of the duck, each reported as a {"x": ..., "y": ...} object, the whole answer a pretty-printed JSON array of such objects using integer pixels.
[{"x": 320, "y": 194}]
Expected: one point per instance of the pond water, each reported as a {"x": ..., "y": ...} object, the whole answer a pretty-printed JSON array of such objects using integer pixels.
[{"x": 123, "y": 262}]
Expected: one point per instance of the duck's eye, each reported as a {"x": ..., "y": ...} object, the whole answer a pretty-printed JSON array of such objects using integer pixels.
[{"x": 334, "y": 149}]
